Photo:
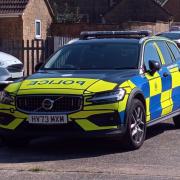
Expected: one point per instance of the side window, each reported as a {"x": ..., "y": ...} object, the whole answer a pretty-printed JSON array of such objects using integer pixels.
[
  {"x": 165, "y": 52},
  {"x": 174, "y": 50},
  {"x": 150, "y": 53}
]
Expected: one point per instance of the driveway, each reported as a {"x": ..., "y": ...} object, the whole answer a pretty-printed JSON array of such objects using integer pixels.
[{"x": 159, "y": 158}]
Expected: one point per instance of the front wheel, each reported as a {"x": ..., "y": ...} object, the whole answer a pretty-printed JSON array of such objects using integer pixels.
[
  {"x": 136, "y": 126},
  {"x": 177, "y": 121}
]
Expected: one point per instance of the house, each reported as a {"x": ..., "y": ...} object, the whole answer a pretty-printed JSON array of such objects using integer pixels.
[
  {"x": 173, "y": 6},
  {"x": 25, "y": 19},
  {"x": 24, "y": 27},
  {"x": 133, "y": 10}
]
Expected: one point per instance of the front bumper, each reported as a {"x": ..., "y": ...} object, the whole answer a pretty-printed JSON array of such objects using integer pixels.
[
  {"x": 89, "y": 122},
  {"x": 70, "y": 130}
]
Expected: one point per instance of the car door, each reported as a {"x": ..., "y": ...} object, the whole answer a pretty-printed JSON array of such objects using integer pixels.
[
  {"x": 175, "y": 73},
  {"x": 159, "y": 83},
  {"x": 166, "y": 76}
]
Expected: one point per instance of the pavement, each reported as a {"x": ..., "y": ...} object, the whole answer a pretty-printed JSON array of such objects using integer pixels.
[{"x": 44, "y": 159}]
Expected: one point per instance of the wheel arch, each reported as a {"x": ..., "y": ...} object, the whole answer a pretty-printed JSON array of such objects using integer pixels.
[
  {"x": 136, "y": 94},
  {"x": 141, "y": 97}
]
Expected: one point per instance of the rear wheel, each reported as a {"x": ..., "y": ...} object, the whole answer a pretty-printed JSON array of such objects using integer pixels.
[
  {"x": 177, "y": 121},
  {"x": 136, "y": 127}
]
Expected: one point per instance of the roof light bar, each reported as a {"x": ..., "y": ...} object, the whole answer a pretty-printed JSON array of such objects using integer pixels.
[{"x": 114, "y": 34}]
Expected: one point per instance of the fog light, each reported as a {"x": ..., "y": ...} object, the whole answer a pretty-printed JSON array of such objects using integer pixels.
[
  {"x": 6, "y": 119},
  {"x": 108, "y": 119}
]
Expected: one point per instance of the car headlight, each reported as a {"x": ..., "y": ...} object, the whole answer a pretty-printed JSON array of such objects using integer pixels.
[
  {"x": 108, "y": 97},
  {"x": 6, "y": 98}
]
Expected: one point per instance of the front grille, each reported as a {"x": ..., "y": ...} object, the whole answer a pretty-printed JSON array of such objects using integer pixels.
[
  {"x": 61, "y": 103},
  {"x": 15, "y": 68}
]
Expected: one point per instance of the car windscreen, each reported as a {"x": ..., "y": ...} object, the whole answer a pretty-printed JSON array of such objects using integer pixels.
[
  {"x": 172, "y": 36},
  {"x": 95, "y": 56}
]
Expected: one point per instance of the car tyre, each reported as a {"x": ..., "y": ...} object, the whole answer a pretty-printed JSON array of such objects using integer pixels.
[
  {"x": 177, "y": 122},
  {"x": 136, "y": 126}
]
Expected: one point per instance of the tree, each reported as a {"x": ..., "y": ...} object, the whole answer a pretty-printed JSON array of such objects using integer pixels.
[{"x": 68, "y": 14}]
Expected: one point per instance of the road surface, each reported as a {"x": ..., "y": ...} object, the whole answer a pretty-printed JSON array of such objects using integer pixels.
[{"x": 45, "y": 159}]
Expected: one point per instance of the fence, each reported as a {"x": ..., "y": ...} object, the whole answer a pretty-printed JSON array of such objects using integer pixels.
[
  {"x": 31, "y": 52},
  {"x": 59, "y": 41}
]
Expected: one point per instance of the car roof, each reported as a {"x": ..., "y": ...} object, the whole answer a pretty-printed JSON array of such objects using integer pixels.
[
  {"x": 171, "y": 32},
  {"x": 119, "y": 40},
  {"x": 107, "y": 40}
]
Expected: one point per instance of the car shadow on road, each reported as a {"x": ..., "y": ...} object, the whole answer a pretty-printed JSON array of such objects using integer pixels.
[
  {"x": 49, "y": 149},
  {"x": 159, "y": 129}
]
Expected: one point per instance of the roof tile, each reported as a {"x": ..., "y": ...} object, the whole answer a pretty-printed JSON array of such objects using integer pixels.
[{"x": 12, "y": 6}]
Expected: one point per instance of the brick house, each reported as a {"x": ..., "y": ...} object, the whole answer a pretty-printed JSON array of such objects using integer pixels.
[
  {"x": 25, "y": 19},
  {"x": 173, "y": 6},
  {"x": 133, "y": 10},
  {"x": 121, "y": 15}
]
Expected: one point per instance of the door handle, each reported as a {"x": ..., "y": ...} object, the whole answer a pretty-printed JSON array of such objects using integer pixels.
[{"x": 165, "y": 74}]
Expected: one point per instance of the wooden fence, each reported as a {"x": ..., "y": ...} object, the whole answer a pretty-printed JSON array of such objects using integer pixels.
[{"x": 31, "y": 52}]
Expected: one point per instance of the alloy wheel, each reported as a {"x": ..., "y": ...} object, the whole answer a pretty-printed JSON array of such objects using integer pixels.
[{"x": 137, "y": 126}]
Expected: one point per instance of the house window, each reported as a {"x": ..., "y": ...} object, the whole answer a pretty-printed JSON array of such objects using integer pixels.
[{"x": 37, "y": 29}]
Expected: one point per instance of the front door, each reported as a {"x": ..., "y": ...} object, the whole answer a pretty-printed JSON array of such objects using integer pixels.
[{"x": 159, "y": 83}]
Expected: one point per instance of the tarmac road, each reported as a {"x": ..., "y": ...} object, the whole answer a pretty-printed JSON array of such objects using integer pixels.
[{"x": 45, "y": 159}]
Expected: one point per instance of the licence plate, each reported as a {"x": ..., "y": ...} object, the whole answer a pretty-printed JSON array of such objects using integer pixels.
[
  {"x": 48, "y": 119},
  {"x": 17, "y": 75}
]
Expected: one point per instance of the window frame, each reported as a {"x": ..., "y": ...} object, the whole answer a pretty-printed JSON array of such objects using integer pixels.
[
  {"x": 145, "y": 44},
  {"x": 171, "y": 52},
  {"x": 37, "y": 36}
]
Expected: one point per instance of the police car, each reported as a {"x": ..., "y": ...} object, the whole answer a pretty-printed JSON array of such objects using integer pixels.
[{"x": 104, "y": 84}]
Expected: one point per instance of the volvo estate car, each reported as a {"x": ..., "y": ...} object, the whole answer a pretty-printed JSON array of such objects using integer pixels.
[{"x": 106, "y": 84}]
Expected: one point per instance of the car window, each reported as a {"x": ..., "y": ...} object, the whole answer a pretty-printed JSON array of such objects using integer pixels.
[
  {"x": 165, "y": 52},
  {"x": 171, "y": 35},
  {"x": 96, "y": 56},
  {"x": 150, "y": 53},
  {"x": 174, "y": 50}
]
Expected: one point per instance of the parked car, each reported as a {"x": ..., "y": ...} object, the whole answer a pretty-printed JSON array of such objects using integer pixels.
[
  {"x": 11, "y": 69},
  {"x": 105, "y": 84},
  {"x": 5, "y": 78},
  {"x": 13, "y": 65},
  {"x": 175, "y": 28},
  {"x": 173, "y": 35}
]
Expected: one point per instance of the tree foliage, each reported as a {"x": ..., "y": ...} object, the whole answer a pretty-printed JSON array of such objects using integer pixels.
[{"x": 67, "y": 14}]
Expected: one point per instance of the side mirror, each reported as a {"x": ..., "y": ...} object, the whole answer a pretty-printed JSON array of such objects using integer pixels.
[
  {"x": 38, "y": 66},
  {"x": 154, "y": 66}
]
